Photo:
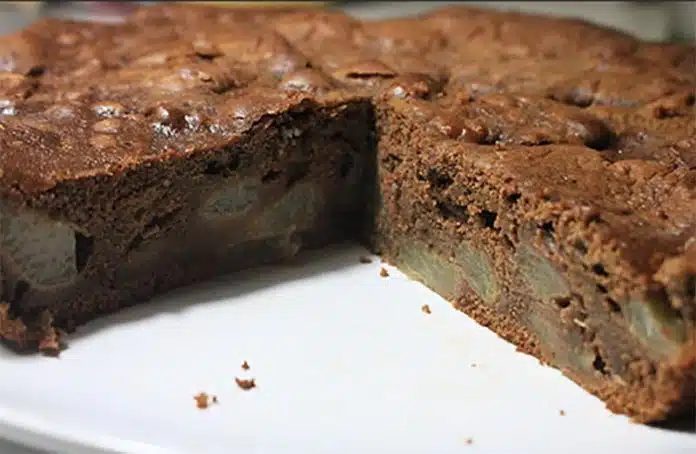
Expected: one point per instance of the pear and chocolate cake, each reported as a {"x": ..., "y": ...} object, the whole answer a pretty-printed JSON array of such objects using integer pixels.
[{"x": 539, "y": 173}]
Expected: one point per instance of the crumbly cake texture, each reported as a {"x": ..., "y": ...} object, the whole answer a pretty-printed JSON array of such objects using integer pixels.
[{"x": 539, "y": 173}]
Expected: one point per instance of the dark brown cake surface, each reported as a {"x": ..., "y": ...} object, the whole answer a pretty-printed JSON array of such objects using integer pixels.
[
  {"x": 68, "y": 86},
  {"x": 565, "y": 151}
]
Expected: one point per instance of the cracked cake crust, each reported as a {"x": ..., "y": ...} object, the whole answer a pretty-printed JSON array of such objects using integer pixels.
[{"x": 544, "y": 182}]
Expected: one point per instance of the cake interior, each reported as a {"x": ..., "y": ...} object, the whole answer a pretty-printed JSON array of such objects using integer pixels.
[
  {"x": 525, "y": 276},
  {"x": 295, "y": 181}
]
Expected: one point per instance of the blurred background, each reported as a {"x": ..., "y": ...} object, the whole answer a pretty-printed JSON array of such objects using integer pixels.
[{"x": 651, "y": 20}]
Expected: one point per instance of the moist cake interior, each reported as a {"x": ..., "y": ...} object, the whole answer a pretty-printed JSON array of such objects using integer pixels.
[{"x": 295, "y": 181}]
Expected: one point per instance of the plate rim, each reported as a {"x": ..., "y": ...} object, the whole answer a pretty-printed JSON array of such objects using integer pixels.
[{"x": 35, "y": 432}]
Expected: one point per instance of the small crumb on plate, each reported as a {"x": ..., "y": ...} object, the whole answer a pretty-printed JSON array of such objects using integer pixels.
[
  {"x": 469, "y": 441},
  {"x": 51, "y": 343},
  {"x": 383, "y": 272},
  {"x": 245, "y": 366},
  {"x": 245, "y": 384},
  {"x": 562, "y": 412},
  {"x": 426, "y": 309},
  {"x": 201, "y": 400}
]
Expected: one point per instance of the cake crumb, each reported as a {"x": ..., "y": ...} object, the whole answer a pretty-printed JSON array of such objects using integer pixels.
[
  {"x": 201, "y": 400},
  {"x": 474, "y": 365},
  {"x": 426, "y": 309},
  {"x": 245, "y": 366},
  {"x": 50, "y": 343},
  {"x": 562, "y": 412},
  {"x": 469, "y": 441},
  {"x": 245, "y": 384},
  {"x": 215, "y": 399},
  {"x": 383, "y": 272},
  {"x": 364, "y": 259}
]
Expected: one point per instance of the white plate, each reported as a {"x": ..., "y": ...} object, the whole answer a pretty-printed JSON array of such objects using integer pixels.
[{"x": 345, "y": 362}]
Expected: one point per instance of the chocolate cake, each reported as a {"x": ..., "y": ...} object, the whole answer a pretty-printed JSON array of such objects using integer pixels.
[{"x": 539, "y": 173}]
